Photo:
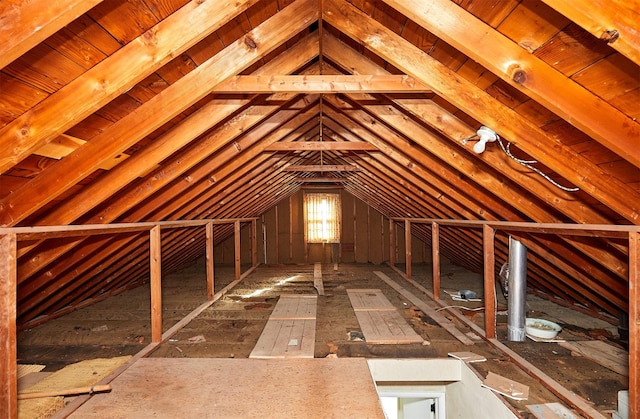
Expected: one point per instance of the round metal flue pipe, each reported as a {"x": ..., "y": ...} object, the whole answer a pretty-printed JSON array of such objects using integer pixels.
[{"x": 517, "y": 291}]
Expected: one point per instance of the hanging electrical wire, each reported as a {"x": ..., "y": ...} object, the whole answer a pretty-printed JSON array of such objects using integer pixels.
[{"x": 528, "y": 164}]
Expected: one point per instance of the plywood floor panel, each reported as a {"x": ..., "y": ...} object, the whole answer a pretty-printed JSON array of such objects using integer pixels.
[{"x": 239, "y": 388}]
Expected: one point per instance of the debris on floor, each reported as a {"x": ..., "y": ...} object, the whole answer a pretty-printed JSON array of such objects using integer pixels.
[{"x": 506, "y": 387}]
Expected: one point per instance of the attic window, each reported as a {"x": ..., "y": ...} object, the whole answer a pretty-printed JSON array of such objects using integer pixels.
[{"x": 322, "y": 217}]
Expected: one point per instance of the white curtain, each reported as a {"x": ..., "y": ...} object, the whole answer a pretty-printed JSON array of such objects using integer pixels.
[{"x": 322, "y": 217}]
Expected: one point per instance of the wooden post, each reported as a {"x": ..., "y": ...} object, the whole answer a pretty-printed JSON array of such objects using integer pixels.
[
  {"x": 276, "y": 239},
  {"x": 634, "y": 324},
  {"x": 8, "y": 345},
  {"x": 392, "y": 241},
  {"x": 291, "y": 232},
  {"x": 254, "y": 243},
  {"x": 210, "y": 262},
  {"x": 236, "y": 237},
  {"x": 435, "y": 259},
  {"x": 407, "y": 247},
  {"x": 156, "y": 284},
  {"x": 488, "y": 245}
]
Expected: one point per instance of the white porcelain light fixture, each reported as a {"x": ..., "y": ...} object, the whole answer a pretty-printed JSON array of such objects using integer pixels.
[{"x": 486, "y": 135}]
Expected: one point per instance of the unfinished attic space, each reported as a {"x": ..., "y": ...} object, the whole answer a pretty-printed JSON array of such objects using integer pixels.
[{"x": 328, "y": 208}]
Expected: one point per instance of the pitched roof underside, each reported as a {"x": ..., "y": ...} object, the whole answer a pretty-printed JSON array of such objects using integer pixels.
[{"x": 145, "y": 110}]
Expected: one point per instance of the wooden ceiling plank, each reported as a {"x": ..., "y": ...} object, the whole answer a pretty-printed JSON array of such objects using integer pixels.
[
  {"x": 526, "y": 72},
  {"x": 613, "y": 21},
  {"x": 111, "y": 77},
  {"x": 170, "y": 102},
  {"x": 240, "y": 151},
  {"x": 162, "y": 148},
  {"x": 483, "y": 107},
  {"x": 149, "y": 186},
  {"x": 27, "y": 23},
  {"x": 454, "y": 129},
  {"x": 320, "y": 84}
]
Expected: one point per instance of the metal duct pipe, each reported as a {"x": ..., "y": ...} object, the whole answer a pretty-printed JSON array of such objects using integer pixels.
[{"x": 517, "y": 291}]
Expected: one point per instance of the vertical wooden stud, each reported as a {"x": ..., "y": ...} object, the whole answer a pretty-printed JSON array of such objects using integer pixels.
[
  {"x": 368, "y": 234},
  {"x": 634, "y": 324},
  {"x": 210, "y": 262},
  {"x": 156, "y": 284},
  {"x": 291, "y": 230},
  {"x": 276, "y": 239},
  {"x": 407, "y": 247},
  {"x": 254, "y": 243},
  {"x": 236, "y": 238},
  {"x": 355, "y": 231},
  {"x": 392, "y": 242},
  {"x": 488, "y": 245},
  {"x": 435, "y": 259},
  {"x": 8, "y": 345}
]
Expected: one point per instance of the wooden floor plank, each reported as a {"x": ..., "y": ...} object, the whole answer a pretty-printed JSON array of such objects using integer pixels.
[
  {"x": 295, "y": 307},
  {"x": 426, "y": 309},
  {"x": 290, "y": 330},
  {"x": 608, "y": 356},
  {"x": 386, "y": 327},
  {"x": 379, "y": 320},
  {"x": 369, "y": 299},
  {"x": 286, "y": 339}
]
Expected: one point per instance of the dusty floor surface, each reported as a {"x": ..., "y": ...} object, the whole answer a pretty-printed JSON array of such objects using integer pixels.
[{"x": 231, "y": 326}]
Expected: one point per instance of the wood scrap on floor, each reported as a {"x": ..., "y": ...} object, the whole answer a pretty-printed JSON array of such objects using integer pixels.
[
  {"x": 467, "y": 356},
  {"x": 551, "y": 411},
  {"x": 290, "y": 330},
  {"x": 426, "y": 309},
  {"x": 317, "y": 278},
  {"x": 379, "y": 320},
  {"x": 506, "y": 387},
  {"x": 600, "y": 352}
]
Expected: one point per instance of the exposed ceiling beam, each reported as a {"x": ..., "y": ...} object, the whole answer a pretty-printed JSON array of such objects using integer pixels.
[
  {"x": 323, "y": 145},
  {"x": 321, "y": 84},
  {"x": 320, "y": 179},
  {"x": 322, "y": 168}
]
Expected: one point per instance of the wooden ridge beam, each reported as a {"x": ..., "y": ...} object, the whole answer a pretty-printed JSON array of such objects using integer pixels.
[
  {"x": 322, "y": 145},
  {"x": 388, "y": 83}
]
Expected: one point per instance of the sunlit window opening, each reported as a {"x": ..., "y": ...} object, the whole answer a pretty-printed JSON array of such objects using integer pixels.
[{"x": 322, "y": 215}]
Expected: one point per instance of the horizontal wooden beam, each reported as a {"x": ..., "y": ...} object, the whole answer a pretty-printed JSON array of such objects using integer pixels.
[
  {"x": 320, "y": 179},
  {"x": 321, "y": 84},
  {"x": 322, "y": 145},
  {"x": 323, "y": 168}
]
